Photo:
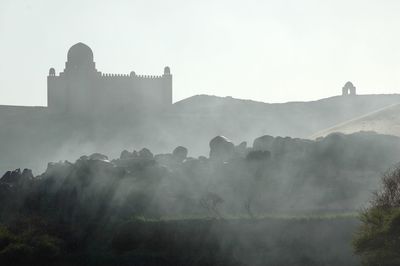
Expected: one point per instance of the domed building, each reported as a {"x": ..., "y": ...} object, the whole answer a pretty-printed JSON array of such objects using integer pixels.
[{"x": 82, "y": 89}]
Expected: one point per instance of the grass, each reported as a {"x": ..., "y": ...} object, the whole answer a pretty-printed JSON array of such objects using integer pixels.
[{"x": 265, "y": 216}]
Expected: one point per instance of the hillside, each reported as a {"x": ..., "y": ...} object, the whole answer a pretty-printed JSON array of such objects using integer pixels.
[
  {"x": 296, "y": 119},
  {"x": 33, "y": 138},
  {"x": 383, "y": 121}
]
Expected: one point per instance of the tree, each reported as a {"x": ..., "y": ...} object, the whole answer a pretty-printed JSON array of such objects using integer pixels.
[
  {"x": 378, "y": 239},
  {"x": 210, "y": 202}
]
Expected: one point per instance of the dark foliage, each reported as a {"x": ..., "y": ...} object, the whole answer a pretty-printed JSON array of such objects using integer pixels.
[
  {"x": 378, "y": 238},
  {"x": 97, "y": 211}
]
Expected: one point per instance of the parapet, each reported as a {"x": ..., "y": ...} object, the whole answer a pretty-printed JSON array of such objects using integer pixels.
[
  {"x": 131, "y": 75},
  {"x": 114, "y": 75},
  {"x": 149, "y": 77}
]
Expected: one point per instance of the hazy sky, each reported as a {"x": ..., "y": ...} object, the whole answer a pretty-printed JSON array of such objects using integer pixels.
[{"x": 272, "y": 51}]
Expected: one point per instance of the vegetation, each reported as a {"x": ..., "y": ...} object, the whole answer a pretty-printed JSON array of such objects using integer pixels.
[
  {"x": 28, "y": 241},
  {"x": 378, "y": 239},
  {"x": 275, "y": 203}
]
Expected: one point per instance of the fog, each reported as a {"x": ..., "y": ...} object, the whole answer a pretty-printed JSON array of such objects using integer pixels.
[
  {"x": 275, "y": 199},
  {"x": 32, "y": 138},
  {"x": 182, "y": 133}
]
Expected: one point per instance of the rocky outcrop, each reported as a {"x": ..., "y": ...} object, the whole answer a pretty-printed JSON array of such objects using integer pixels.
[
  {"x": 16, "y": 176},
  {"x": 180, "y": 153},
  {"x": 221, "y": 148}
]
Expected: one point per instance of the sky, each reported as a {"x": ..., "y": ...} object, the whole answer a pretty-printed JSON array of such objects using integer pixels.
[{"x": 270, "y": 51}]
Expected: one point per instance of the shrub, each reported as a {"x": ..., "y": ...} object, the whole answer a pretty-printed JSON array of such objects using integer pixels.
[
  {"x": 28, "y": 246},
  {"x": 378, "y": 238}
]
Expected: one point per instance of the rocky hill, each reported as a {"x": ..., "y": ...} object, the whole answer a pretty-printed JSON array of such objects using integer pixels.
[{"x": 32, "y": 138}]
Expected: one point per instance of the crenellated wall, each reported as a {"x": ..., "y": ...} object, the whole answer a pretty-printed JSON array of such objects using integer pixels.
[{"x": 111, "y": 75}]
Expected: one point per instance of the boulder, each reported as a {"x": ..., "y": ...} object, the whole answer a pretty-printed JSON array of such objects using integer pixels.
[
  {"x": 125, "y": 155},
  {"x": 241, "y": 149},
  {"x": 263, "y": 143},
  {"x": 16, "y": 176},
  {"x": 180, "y": 153},
  {"x": 145, "y": 154},
  {"x": 98, "y": 157},
  {"x": 11, "y": 176},
  {"x": 221, "y": 148}
]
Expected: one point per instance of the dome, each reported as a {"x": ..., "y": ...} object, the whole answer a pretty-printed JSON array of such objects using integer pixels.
[
  {"x": 348, "y": 84},
  {"x": 80, "y": 53}
]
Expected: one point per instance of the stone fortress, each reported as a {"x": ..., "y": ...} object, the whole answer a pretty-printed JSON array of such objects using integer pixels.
[{"x": 83, "y": 89}]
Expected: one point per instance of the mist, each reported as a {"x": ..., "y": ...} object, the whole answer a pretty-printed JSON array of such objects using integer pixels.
[
  {"x": 188, "y": 133},
  {"x": 294, "y": 189}
]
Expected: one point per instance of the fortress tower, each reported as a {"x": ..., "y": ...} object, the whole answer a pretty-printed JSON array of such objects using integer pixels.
[{"x": 81, "y": 89}]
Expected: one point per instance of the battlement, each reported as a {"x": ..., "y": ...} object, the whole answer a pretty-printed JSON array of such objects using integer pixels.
[
  {"x": 114, "y": 75},
  {"x": 111, "y": 75},
  {"x": 149, "y": 77},
  {"x": 133, "y": 76}
]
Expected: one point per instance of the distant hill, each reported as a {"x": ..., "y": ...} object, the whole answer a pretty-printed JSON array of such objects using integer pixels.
[
  {"x": 384, "y": 121},
  {"x": 296, "y": 119}
]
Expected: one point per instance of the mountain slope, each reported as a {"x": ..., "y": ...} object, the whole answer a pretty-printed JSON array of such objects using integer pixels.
[
  {"x": 384, "y": 121},
  {"x": 297, "y": 119}
]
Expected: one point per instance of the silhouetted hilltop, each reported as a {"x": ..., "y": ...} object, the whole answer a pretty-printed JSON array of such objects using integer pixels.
[{"x": 300, "y": 119}]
